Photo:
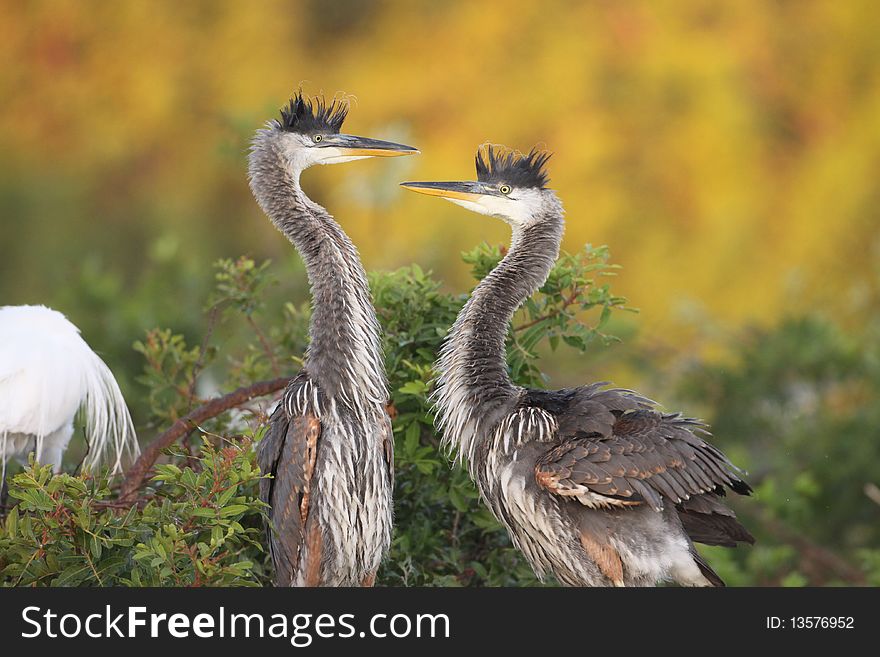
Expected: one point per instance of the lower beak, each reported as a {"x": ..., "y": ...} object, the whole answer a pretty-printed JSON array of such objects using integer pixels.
[
  {"x": 365, "y": 147},
  {"x": 463, "y": 191}
]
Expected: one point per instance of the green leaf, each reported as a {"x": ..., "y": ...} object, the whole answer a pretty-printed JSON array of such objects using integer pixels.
[
  {"x": 413, "y": 388},
  {"x": 412, "y": 436},
  {"x": 604, "y": 317},
  {"x": 73, "y": 575},
  {"x": 458, "y": 500},
  {"x": 12, "y": 522},
  {"x": 34, "y": 498},
  {"x": 110, "y": 567},
  {"x": 95, "y": 547},
  {"x": 233, "y": 510},
  {"x": 226, "y": 495}
]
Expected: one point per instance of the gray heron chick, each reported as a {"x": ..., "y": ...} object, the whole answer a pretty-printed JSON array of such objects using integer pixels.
[
  {"x": 594, "y": 485},
  {"x": 329, "y": 446}
]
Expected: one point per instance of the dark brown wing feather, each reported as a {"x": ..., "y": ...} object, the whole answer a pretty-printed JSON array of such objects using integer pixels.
[
  {"x": 708, "y": 521},
  {"x": 706, "y": 570},
  {"x": 614, "y": 445},
  {"x": 288, "y": 452},
  {"x": 388, "y": 449}
]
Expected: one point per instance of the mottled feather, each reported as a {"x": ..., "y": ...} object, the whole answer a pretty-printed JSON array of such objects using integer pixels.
[
  {"x": 290, "y": 447},
  {"x": 708, "y": 521},
  {"x": 614, "y": 444}
]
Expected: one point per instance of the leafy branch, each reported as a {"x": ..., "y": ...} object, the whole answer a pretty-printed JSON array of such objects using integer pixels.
[{"x": 192, "y": 519}]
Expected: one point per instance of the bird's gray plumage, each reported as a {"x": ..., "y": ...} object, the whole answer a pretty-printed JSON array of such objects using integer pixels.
[
  {"x": 595, "y": 485},
  {"x": 328, "y": 446}
]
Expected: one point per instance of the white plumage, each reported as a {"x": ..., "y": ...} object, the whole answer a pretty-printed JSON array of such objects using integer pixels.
[{"x": 47, "y": 374}]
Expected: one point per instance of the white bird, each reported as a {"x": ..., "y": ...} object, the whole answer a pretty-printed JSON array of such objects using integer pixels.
[{"x": 47, "y": 374}]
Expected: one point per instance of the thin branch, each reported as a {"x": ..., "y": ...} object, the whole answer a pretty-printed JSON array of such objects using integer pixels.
[
  {"x": 265, "y": 343},
  {"x": 125, "y": 506},
  {"x": 85, "y": 553},
  {"x": 569, "y": 301},
  {"x": 200, "y": 362},
  {"x": 816, "y": 558},
  {"x": 455, "y": 522},
  {"x": 190, "y": 422}
]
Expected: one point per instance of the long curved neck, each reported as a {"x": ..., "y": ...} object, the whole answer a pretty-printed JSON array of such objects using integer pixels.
[
  {"x": 474, "y": 388},
  {"x": 345, "y": 351}
]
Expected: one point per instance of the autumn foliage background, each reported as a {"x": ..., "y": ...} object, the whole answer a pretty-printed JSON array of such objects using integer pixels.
[{"x": 728, "y": 153}]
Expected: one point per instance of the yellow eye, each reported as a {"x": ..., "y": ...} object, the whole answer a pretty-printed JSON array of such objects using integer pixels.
[
  {"x": 318, "y": 138},
  {"x": 504, "y": 189}
]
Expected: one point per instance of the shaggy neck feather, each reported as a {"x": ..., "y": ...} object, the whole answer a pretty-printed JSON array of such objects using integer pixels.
[
  {"x": 474, "y": 388},
  {"x": 345, "y": 354}
]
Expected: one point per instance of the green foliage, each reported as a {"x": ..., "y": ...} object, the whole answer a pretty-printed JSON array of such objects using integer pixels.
[
  {"x": 794, "y": 405},
  {"x": 240, "y": 283},
  {"x": 200, "y": 526},
  {"x": 555, "y": 313},
  {"x": 445, "y": 536},
  {"x": 198, "y": 520},
  {"x": 797, "y": 408},
  {"x": 169, "y": 373}
]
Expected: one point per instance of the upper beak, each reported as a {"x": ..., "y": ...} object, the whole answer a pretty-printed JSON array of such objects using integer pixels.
[
  {"x": 464, "y": 191},
  {"x": 364, "y": 146}
]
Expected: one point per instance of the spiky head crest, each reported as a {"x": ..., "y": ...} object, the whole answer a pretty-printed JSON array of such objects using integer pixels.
[
  {"x": 313, "y": 115},
  {"x": 501, "y": 164}
]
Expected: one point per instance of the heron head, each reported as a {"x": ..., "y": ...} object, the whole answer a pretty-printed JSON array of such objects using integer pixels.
[
  {"x": 309, "y": 132},
  {"x": 510, "y": 185}
]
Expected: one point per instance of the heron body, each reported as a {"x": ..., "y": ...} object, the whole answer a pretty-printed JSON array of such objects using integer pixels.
[
  {"x": 594, "y": 485},
  {"x": 329, "y": 446},
  {"x": 47, "y": 374}
]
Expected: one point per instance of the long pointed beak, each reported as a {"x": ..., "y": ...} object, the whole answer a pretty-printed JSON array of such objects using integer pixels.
[
  {"x": 463, "y": 191},
  {"x": 366, "y": 147}
]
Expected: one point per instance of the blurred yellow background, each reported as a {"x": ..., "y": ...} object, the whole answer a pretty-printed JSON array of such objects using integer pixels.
[{"x": 729, "y": 153}]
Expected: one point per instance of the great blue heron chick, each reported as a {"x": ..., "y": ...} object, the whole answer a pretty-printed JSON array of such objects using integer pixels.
[
  {"x": 328, "y": 447},
  {"x": 595, "y": 485}
]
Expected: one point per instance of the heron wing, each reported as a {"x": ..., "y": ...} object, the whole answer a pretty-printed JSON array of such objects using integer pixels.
[
  {"x": 610, "y": 454},
  {"x": 706, "y": 520},
  {"x": 288, "y": 453},
  {"x": 388, "y": 448}
]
